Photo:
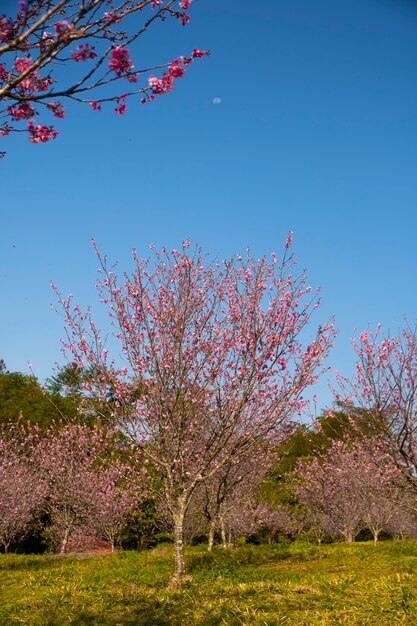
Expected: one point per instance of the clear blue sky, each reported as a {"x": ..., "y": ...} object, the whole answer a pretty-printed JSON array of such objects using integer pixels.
[{"x": 316, "y": 132}]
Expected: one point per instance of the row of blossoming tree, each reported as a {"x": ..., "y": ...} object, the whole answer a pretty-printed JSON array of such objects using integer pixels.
[
  {"x": 208, "y": 382},
  {"x": 351, "y": 486},
  {"x": 73, "y": 476}
]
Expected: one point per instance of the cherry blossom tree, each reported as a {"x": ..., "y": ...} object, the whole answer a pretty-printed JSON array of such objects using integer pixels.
[
  {"x": 385, "y": 384},
  {"x": 118, "y": 493},
  {"x": 350, "y": 486},
  {"x": 71, "y": 461},
  {"x": 276, "y": 519},
  {"x": 80, "y": 50},
  {"x": 21, "y": 490},
  {"x": 211, "y": 361},
  {"x": 235, "y": 482},
  {"x": 245, "y": 517},
  {"x": 403, "y": 523}
]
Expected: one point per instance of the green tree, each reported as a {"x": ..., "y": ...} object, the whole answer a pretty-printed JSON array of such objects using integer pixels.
[{"x": 21, "y": 396}]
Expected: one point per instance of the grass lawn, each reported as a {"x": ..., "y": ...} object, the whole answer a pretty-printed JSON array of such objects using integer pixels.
[{"x": 252, "y": 585}]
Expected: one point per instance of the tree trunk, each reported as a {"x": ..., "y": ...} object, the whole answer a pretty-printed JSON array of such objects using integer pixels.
[
  {"x": 223, "y": 533},
  {"x": 179, "y": 567},
  {"x": 65, "y": 540},
  {"x": 376, "y": 536},
  {"x": 211, "y": 535}
]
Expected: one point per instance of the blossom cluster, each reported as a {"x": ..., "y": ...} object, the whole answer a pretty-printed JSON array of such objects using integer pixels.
[{"x": 98, "y": 38}]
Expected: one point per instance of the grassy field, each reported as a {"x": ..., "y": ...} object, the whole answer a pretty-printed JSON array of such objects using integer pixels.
[{"x": 252, "y": 585}]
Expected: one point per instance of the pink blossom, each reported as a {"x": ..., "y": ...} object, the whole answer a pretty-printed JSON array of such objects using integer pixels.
[
  {"x": 23, "y": 111},
  {"x": 119, "y": 61},
  {"x": 197, "y": 54},
  {"x": 21, "y": 64},
  {"x": 289, "y": 240},
  {"x": 41, "y": 133},
  {"x": 83, "y": 52},
  {"x": 56, "y": 108},
  {"x": 176, "y": 70}
]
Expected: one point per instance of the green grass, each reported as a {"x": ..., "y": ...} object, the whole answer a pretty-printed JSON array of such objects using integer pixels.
[{"x": 253, "y": 585}]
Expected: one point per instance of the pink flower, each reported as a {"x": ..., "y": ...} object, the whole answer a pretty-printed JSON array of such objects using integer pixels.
[
  {"x": 21, "y": 64},
  {"x": 7, "y": 29},
  {"x": 56, "y": 108},
  {"x": 83, "y": 52},
  {"x": 176, "y": 70},
  {"x": 22, "y": 111},
  {"x": 119, "y": 60},
  {"x": 289, "y": 240},
  {"x": 197, "y": 54},
  {"x": 40, "y": 133},
  {"x": 5, "y": 130}
]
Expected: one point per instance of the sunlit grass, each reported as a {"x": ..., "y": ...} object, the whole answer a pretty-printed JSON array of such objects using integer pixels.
[{"x": 252, "y": 585}]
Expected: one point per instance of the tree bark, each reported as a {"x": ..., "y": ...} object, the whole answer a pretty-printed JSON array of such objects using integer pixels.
[
  {"x": 223, "y": 533},
  {"x": 211, "y": 536},
  {"x": 65, "y": 540},
  {"x": 349, "y": 537},
  {"x": 179, "y": 567}
]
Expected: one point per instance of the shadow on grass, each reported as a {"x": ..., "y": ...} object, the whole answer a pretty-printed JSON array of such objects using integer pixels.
[
  {"x": 26, "y": 564},
  {"x": 228, "y": 559},
  {"x": 171, "y": 614}
]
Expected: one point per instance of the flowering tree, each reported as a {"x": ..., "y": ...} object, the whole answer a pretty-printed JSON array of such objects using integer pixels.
[
  {"x": 94, "y": 37},
  {"x": 118, "y": 493},
  {"x": 236, "y": 481},
  {"x": 72, "y": 462},
  {"x": 350, "y": 486},
  {"x": 385, "y": 384},
  {"x": 245, "y": 517},
  {"x": 21, "y": 491},
  {"x": 403, "y": 522},
  {"x": 276, "y": 519},
  {"x": 213, "y": 361}
]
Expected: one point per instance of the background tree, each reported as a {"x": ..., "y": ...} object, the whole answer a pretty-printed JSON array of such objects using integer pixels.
[
  {"x": 351, "y": 485},
  {"x": 95, "y": 37},
  {"x": 79, "y": 465},
  {"x": 21, "y": 490},
  {"x": 117, "y": 496},
  {"x": 235, "y": 482},
  {"x": 21, "y": 396},
  {"x": 214, "y": 348},
  {"x": 385, "y": 385}
]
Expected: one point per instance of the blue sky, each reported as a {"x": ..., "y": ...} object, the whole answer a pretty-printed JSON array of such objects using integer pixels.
[{"x": 316, "y": 133}]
